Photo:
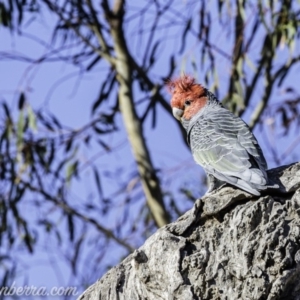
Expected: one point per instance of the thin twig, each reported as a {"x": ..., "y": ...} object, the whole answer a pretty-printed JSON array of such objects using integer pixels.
[{"x": 68, "y": 209}]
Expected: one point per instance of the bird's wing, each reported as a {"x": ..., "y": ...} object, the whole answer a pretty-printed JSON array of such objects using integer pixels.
[{"x": 222, "y": 142}]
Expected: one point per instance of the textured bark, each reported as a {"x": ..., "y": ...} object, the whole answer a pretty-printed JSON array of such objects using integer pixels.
[{"x": 230, "y": 245}]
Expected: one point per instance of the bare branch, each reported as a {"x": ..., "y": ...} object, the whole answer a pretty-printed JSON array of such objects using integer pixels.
[
  {"x": 68, "y": 209},
  {"x": 100, "y": 52},
  {"x": 270, "y": 81},
  {"x": 96, "y": 28},
  {"x": 268, "y": 53}
]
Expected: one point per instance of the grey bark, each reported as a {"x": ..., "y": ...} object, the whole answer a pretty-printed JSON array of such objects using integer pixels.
[{"x": 230, "y": 245}]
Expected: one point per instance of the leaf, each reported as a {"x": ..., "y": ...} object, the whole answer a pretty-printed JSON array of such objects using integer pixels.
[
  {"x": 185, "y": 32},
  {"x": 28, "y": 241},
  {"x": 69, "y": 144},
  {"x": 172, "y": 66},
  {"x": 71, "y": 171},
  {"x": 31, "y": 119},
  {"x": 203, "y": 57},
  {"x": 19, "y": 193},
  {"x": 21, "y": 101},
  {"x": 290, "y": 90},
  {"x": 47, "y": 224},
  {"x": 99, "y": 130},
  {"x": 149, "y": 107},
  {"x": 71, "y": 227},
  {"x": 104, "y": 145},
  {"x": 87, "y": 139},
  {"x": 58, "y": 237},
  {"x": 154, "y": 115},
  {"x": 51, "y": 155},
  {"x": 93, "y": 63},
  {"x": 55, "y": 121},
  {"x": 201, "y": 33},
  {"x": 207, "y": 76},
  {"x": 284, "y": 117},
  {"x": 3, "y": 172},
  {"x": 75, "y": 259},
  {"x": 20, "y": 130},
  {"x": 104, "y": 92},
  {"x": 5, "y": 16},
  {"x": 102, "y": 97},
  {"x": 60, "y": 166},
  {"x": 6, "y": 110},
  {"x": 220, "y": 5},
  {"x": 194, "y": 65},
  {"x": 20, "y": 10},
  {"x": 98, "y": 182},
  {"x": 283, "y": 75},
  {"x": 44, "y": 121},
  {"x": 152, "y": 55},
  {"x": 40, "y": 151}
]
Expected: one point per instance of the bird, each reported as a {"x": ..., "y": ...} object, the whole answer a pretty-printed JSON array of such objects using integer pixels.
[{"x": 220, "y": 142}]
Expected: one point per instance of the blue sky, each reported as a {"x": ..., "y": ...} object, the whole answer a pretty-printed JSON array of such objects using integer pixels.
[
  {"x": 71, "y": 100},
  {"x": 63, "y": 90}
]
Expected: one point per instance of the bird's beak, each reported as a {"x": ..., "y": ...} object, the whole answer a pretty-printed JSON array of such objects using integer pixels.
[{"x": 177, "y": 113}]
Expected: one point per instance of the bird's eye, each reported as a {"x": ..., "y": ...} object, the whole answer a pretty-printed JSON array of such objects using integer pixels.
[{"x": 187, "y": 102}]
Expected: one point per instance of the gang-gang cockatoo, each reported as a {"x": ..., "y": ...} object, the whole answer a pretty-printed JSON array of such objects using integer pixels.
[{"x": 220, "y": 141}]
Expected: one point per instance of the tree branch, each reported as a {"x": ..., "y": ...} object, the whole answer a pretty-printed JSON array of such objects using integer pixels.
[
  {"x": 100, "y": 52},
  {"x": 268, "y": 53},
  {"x": 68, "y": 209},
  {"x": 149, "y": 179}
]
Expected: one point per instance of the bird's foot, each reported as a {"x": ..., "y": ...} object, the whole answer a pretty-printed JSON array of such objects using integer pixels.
[{"x": 213, "y": 189}]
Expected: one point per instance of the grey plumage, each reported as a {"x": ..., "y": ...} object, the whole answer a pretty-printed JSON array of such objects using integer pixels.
[{"x": 225, "y": 147}]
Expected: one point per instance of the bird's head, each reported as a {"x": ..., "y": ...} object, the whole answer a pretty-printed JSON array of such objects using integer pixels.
[{"x": 188, "y": 97}]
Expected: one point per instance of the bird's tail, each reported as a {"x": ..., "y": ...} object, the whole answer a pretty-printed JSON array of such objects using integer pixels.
[
  {"x": 254, "y": 188},
  {"x": 248, "y": 187}
]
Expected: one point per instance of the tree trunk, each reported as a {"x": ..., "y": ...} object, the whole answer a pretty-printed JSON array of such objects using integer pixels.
[
  {"x": 230, "y": 245},
  {"x": 132, "y": 123}
]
